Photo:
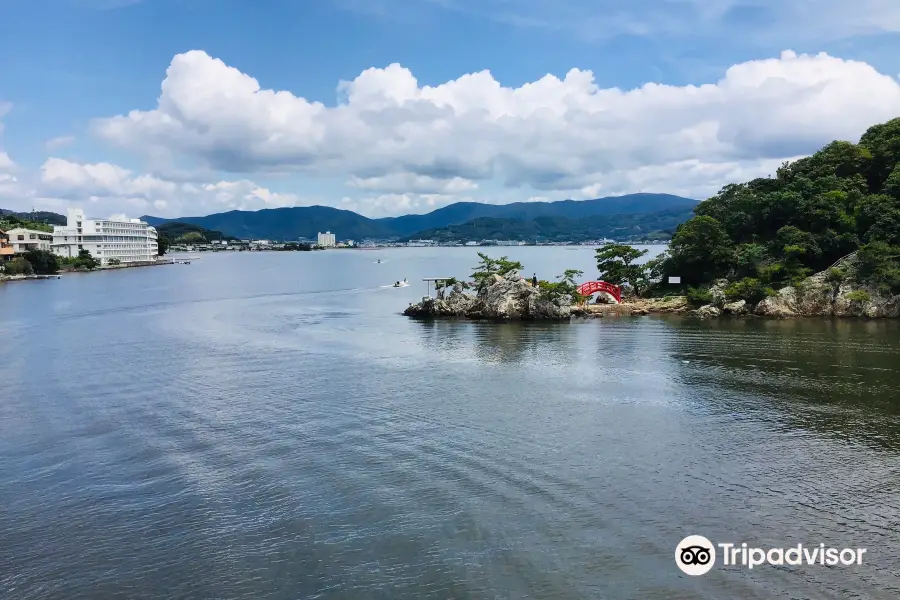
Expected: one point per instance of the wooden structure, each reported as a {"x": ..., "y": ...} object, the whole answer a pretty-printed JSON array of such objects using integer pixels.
[
  {"x": 592, "y": 287},
  {"x": 429, "y": 280}
]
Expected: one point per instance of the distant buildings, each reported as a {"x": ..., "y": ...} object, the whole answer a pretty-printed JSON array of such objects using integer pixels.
[
  {"x": 326, "y": 240},
  {"x": 126, "y": 240},
  {"x": 23, "y": 240},
  {"x": 6, "y": 249}
]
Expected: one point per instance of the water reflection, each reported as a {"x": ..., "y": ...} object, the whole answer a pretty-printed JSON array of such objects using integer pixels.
[{"x": 833, "y": 377}]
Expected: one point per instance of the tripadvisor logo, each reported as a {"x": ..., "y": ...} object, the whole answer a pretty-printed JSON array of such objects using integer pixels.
[{"x": 696, "y": 555}]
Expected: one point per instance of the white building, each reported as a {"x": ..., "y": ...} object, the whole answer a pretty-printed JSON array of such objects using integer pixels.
[
  {"x": 326, "y": 240},
  {"x": 23, "y": 240},
  {"x": 127, "y": 240}
]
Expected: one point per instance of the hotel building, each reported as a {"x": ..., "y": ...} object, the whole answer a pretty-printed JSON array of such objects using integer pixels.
[{"x": 127, "y": 240}]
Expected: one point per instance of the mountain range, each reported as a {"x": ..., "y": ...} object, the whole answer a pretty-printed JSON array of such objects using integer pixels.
[{"x": 306, "y": 221}]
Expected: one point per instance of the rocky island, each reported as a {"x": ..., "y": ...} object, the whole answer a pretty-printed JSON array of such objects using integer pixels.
[{"x": 819, "y": 239}]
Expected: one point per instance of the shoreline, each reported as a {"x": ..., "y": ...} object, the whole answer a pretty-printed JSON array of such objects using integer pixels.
[{"x": 13, "y": 278}]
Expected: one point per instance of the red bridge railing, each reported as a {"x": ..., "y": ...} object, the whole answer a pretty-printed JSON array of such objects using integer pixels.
[{"x": 592, "y": 287}]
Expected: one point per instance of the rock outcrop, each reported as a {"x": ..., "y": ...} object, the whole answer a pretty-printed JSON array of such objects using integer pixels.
[
  {"x": 736, "y": 309},
  {"x": 818, "y": 296},
  {"x": 500, "y": 298}
]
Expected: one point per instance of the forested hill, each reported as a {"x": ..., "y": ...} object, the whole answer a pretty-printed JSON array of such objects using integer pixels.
[
  {"x": 772, "y": 231},
  {"x": 306, "y": 221},
  {"x": 657, "y": 225}
]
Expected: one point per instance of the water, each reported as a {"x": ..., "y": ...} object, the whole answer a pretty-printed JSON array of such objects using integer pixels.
[{"x": 267, "y": 425}]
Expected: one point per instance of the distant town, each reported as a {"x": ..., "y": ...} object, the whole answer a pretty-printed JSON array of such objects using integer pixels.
[
  {"x": 329, "y": 240},
  {"x": 30, "y": 248}
]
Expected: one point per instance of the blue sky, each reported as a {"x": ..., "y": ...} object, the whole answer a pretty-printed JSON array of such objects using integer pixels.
[{"x": 68, "y": 68}]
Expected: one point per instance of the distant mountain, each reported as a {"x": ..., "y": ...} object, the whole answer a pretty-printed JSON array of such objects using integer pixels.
[
  {"x": 177, "y": 231},
  {"x": 640, "y": 226},
  {"x": 306, "y": 221}
]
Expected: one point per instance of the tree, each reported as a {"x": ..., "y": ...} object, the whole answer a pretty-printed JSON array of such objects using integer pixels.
[
  {"x": 18, "y": 266},
  {"x": 877, "y": 265},
  {"x": 191, "y": 237},
  {"x": 615, "y": 263},
  {"x": 44, "y": 262},
  {"x": 701, "y": 251},
  {"x": 564, "y": 290},
  {"x": 85, "y": 260},
  {"x": 489, "y": 267},
  {"x": 162, "y": 244}
]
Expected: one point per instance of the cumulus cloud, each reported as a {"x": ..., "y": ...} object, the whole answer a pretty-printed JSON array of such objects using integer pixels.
[
  {"x": 6, "y": 163},
  {"x": 106, "y": 188},
  {"x": 389, "y": 134}
]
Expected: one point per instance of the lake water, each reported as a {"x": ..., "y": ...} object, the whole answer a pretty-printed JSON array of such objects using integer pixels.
[{"x": 267, "y": 425}]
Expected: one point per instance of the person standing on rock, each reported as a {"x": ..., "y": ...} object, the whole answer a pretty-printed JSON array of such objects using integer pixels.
[{"x": 534, "y": 280}]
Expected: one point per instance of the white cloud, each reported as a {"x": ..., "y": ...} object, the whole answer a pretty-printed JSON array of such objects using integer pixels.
[
  {"x": 59, "y": 142},
  {"x": 398, "y": 146},
  {"x": 389, "y": 134},
  {"x": 6, "y": 163},
  {"x": 106, "y": 188},
  {"x": 391, "y": 205},
  {"x": 404, "y": 183}
]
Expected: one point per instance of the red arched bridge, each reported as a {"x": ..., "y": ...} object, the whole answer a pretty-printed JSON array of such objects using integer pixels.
[{"x": 592, "y": 287}]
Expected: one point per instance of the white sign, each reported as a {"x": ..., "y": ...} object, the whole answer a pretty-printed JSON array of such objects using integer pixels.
[{"x": 674, "y": 279}]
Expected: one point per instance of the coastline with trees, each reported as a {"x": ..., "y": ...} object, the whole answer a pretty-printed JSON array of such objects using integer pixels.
[{"x": 820, "y": 238}]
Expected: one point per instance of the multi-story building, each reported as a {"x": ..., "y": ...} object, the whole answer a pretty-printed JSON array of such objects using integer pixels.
[
  {"x": 6, "y": 249},
  {"x": 326, "y": 240},
  {"x": 126, "y": 240},
  {"x": 23, "y": 240}
]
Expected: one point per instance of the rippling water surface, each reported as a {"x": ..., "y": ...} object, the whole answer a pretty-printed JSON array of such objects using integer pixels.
[{"x": 268, "y": 426}]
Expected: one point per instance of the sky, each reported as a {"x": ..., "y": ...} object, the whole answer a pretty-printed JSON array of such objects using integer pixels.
[{"x": 385, "y": 107}]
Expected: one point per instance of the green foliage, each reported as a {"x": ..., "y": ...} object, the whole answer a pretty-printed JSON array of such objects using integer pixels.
[
  {"x": 438, "y": 285},
  {"x": 836, "y": 275},
  {"x": 701, "y": 251},
  {"x": 43, "y": 262},
  {"x": 191, "y": 237},
  {"x": 114, "y": 262},
  {"x": 615, "y": 264},
  {"x": 638, "y": 226},
  {"x": 162, "y": 243},
  {"x": 36, "y": 221},
  {"x": 860, "y": 296},
  {"x": 295, "y": 247},
  {"x": 877, "y": 265},
  {"x": 564, "y": 290},
  {"x": 489, "y": 267},
  {"x": 748, "y": 258},
  {"x": 189, "y": 233},
  {"x": 812, "y": 213},
  {"x": 18, "y": 266},
  {"x": 696, "y": 296},
  {"x": 85, "y": 261},
  {"x": 748, "y": 289}
]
